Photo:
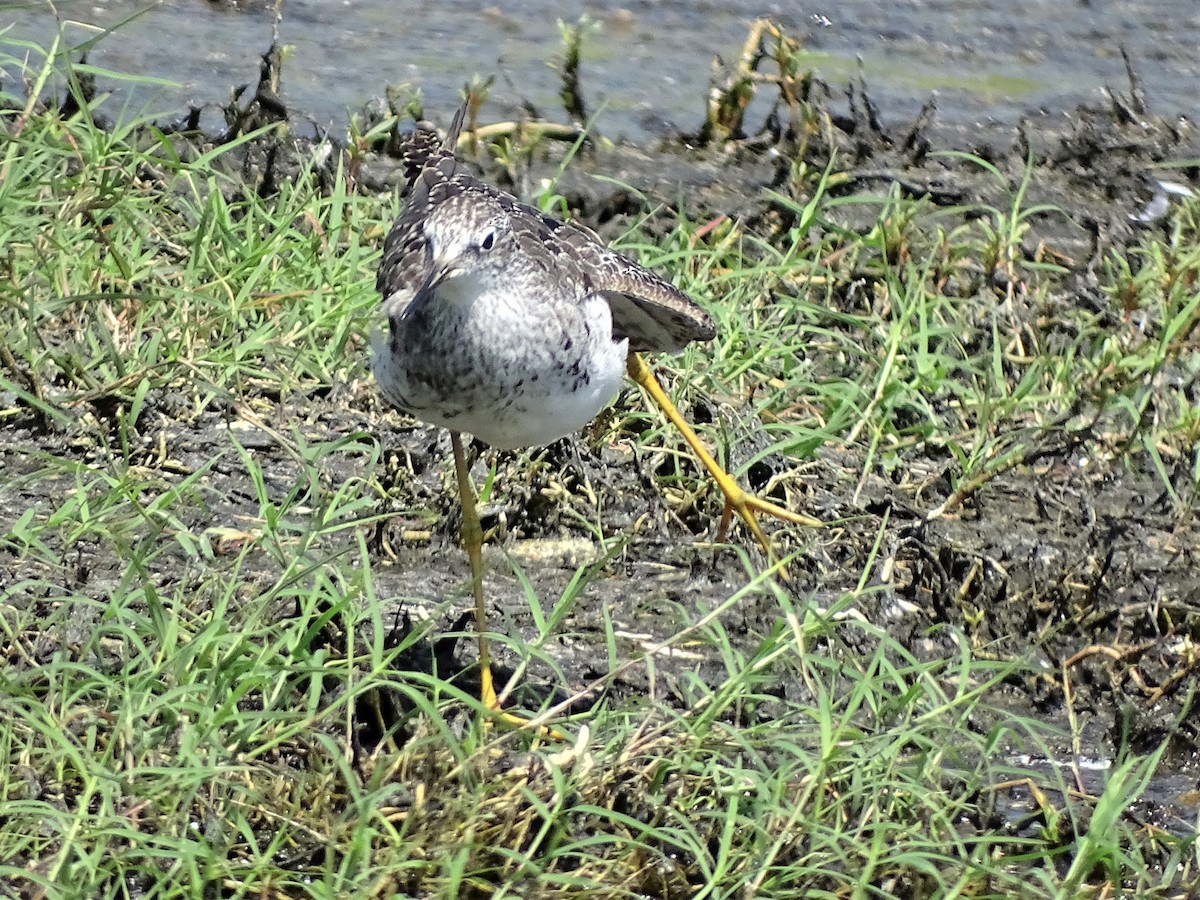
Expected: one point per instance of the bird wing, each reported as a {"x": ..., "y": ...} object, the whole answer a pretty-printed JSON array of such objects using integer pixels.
[
  {"x": 406, "y": 261},
  {"x": 648, "y": 310}
]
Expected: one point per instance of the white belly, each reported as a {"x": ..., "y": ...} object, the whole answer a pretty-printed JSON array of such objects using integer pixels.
[{"x": 493, "y": 372}]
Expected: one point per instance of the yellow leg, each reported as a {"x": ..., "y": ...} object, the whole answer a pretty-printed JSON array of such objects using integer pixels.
[
  {"x": 472, "y": 538},
  {"x": 736, "y": 499}
]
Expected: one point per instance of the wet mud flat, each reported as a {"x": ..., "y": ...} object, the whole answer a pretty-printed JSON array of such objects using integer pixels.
[{"x": 1076, "y": 554}]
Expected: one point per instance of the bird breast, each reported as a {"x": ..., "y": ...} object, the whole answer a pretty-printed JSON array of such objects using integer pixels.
[{"x": 509, "y": 367}]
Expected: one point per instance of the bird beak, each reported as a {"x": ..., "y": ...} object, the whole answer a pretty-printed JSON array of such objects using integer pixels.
[{"x": 440, "y": 271}]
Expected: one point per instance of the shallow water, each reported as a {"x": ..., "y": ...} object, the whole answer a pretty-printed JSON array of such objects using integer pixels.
[{"x": 649, "y": 62}]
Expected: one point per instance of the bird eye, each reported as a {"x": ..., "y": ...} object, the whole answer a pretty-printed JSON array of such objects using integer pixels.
[{"x": 489, "y": 240}]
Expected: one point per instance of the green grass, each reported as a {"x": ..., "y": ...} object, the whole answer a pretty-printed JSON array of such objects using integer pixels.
[{"x": 199, "y": 665}]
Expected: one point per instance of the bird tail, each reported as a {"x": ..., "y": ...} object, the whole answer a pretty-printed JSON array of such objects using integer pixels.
[{"x": 424, "y": 148}]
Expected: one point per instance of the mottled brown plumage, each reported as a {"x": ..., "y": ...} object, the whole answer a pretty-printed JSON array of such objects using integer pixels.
[
  {"x": 651, "y": 312},
  {"x": 504, "y": 321}
]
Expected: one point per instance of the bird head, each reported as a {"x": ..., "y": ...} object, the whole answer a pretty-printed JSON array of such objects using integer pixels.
[{"x": 463, "y": 236}]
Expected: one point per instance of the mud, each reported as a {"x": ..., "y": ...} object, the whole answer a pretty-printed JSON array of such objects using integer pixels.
[{"x": 1074, "y": 559}]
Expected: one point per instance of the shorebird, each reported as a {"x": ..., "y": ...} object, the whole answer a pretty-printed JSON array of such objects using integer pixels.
[{"x": 516, "y": 327}]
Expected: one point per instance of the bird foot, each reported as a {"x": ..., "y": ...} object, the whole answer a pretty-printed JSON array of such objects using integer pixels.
[
  {"x": 746, "y": 505},
  {"x": 491, "y": 703}
]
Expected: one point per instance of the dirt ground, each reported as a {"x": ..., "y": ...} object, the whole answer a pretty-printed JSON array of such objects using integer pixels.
[{"x": 1073, "y": 559}]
